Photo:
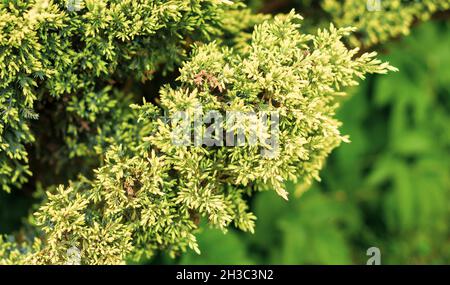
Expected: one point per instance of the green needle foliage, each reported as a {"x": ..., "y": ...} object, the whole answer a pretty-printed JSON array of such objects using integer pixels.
[
  {"x": 148, "y": 194},
  {"x": 77, "y": 57},
  {"x": 389, "y": 188}
]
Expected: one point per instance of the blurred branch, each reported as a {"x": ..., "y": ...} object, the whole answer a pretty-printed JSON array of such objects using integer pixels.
[
  {"x": 438, "y": 16},
  {"x": 441, "y": 15},
  {"x": 275, "y": 6}
]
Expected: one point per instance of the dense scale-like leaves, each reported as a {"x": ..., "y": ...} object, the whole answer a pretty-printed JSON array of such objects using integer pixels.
[
  {"x": 77, "y": 55},
  {"x": 150, "y": 194}
]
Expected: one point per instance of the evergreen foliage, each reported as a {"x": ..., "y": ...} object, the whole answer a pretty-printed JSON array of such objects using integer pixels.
[
  {"x": 80, "y": 57},
  {"x": 77, "y": 86},
  {"x": 389, "y": 188}
]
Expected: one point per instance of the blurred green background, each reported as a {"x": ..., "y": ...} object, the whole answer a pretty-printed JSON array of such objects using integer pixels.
[{"x": 389, "y": 188}]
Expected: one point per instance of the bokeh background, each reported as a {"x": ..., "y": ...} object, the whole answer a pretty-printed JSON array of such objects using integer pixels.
[{"x": 389, "y": 188}]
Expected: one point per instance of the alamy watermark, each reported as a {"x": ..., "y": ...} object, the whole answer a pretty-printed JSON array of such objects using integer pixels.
[
  {"x": 375, "y": 256},
  {"x": 74, "y": 5},
  {"x": 73, "y": 256},
  {"x": 231, "y": 129},
  {"x": 374, "y": 5}
]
